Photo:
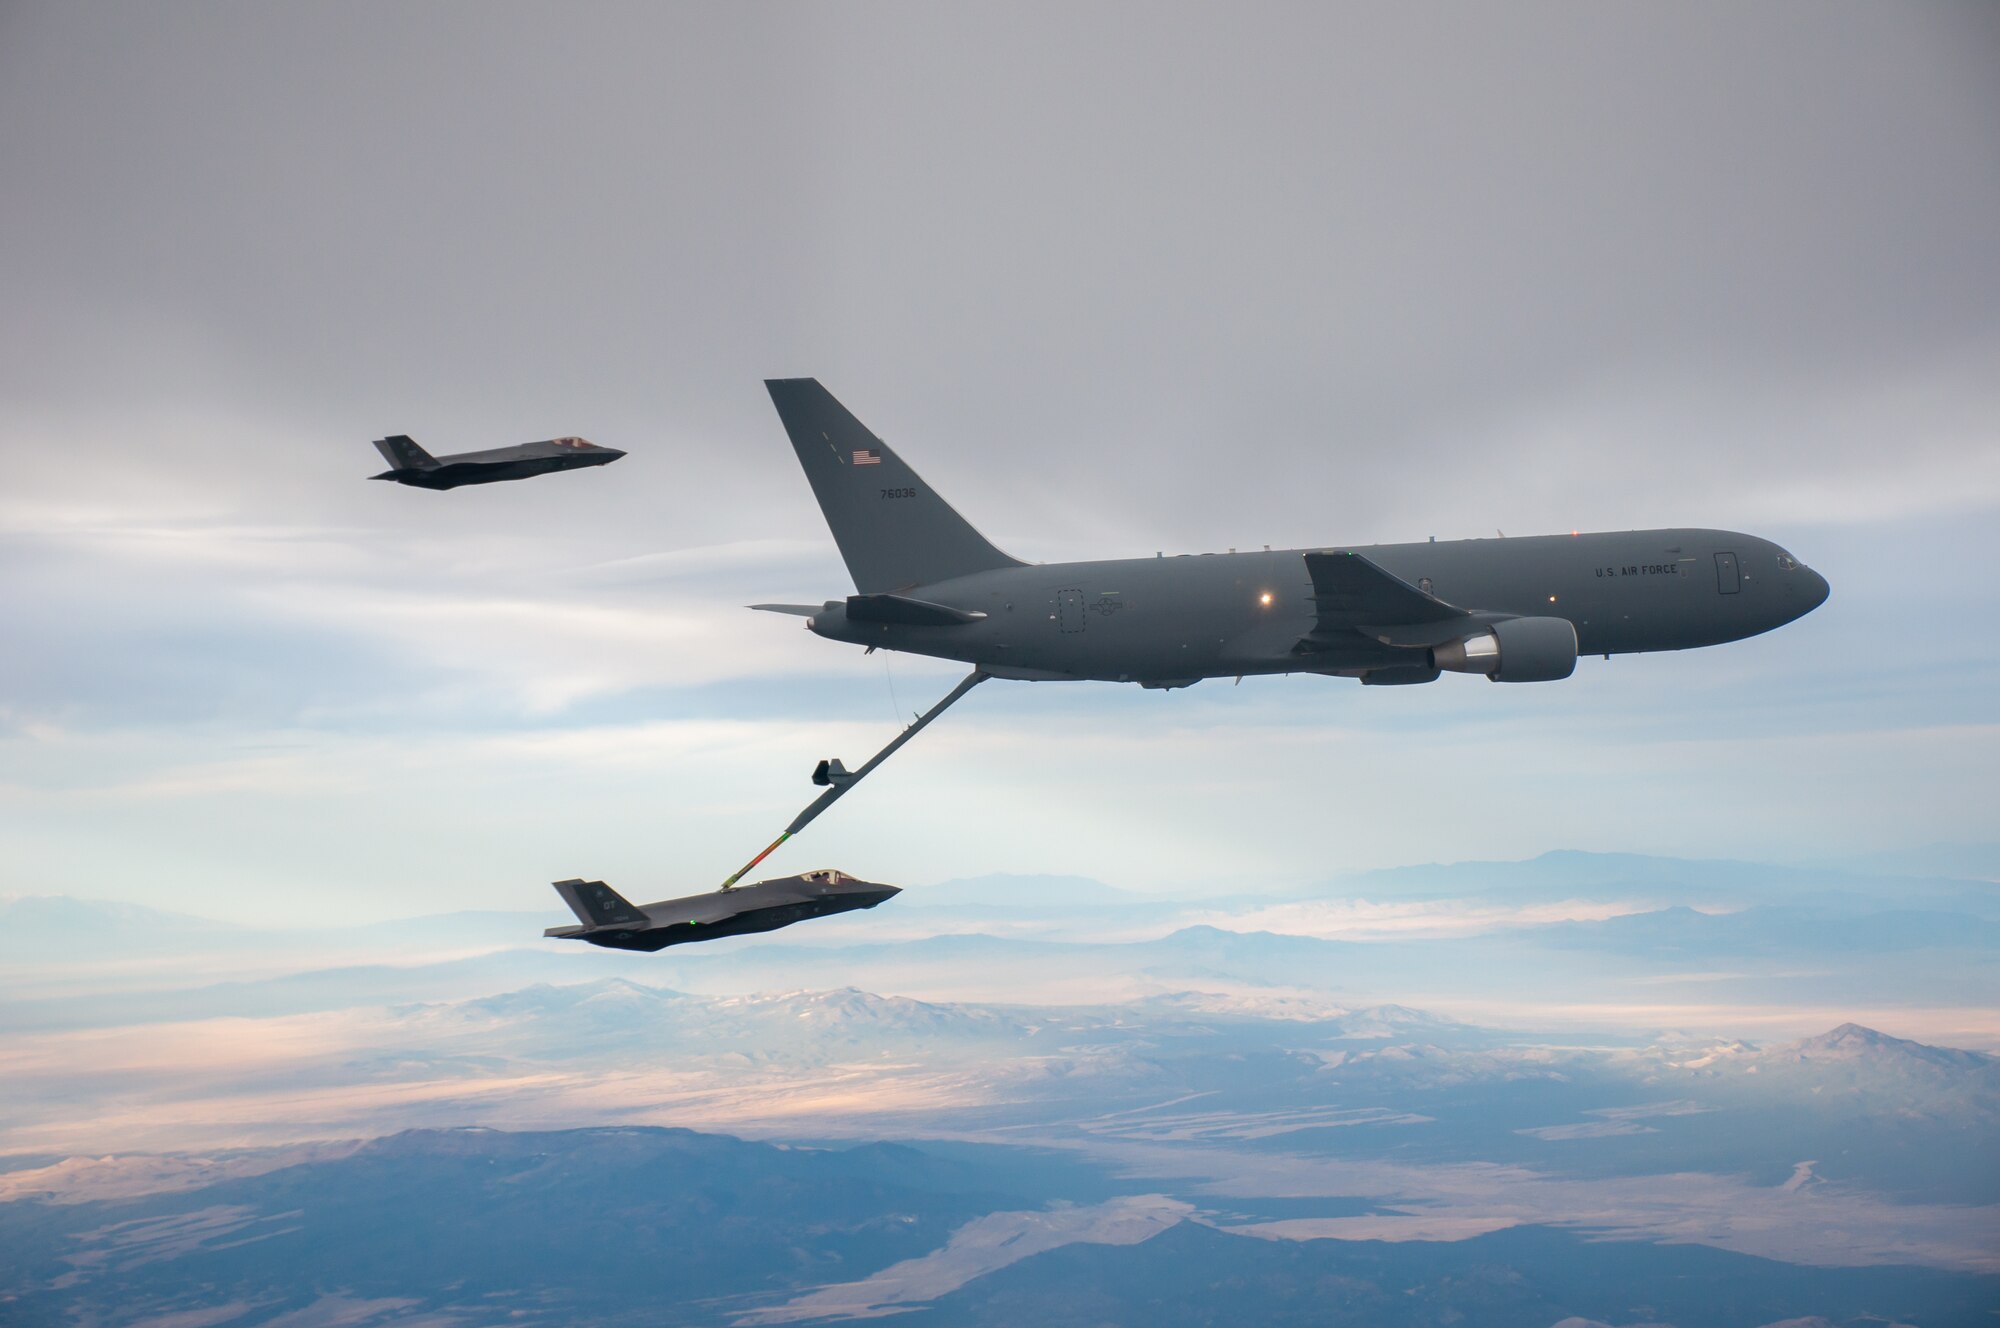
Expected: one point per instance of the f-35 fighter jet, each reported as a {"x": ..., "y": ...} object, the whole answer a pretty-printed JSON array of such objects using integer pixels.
[
  {"x": 609, "y": 920},
  {"x": 1514, "y": 610},
  {"x": 413, "y": 466}
]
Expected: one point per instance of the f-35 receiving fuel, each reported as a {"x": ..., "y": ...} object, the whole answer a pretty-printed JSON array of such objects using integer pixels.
[
  {"x": 412, "y": 465},
  {"x": 609, "y": 920},
  {"x": 1514, "y": 610}
]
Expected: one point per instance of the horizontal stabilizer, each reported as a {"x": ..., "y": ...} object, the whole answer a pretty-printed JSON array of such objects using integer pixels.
[
  {"x": 796, "y": 610},
  {"x": 598, "y": 905},
  {"x": 908, "y": 612}
]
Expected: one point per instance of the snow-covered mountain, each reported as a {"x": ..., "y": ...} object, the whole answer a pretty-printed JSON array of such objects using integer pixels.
[
  {"x": 616, "y": 1016},
  {"x": 1852, "y": 1044}
]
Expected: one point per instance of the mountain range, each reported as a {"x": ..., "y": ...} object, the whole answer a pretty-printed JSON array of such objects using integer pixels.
[
  {"x": 647, "y": 1226},
  {"x": 1570, "y": 1089}
]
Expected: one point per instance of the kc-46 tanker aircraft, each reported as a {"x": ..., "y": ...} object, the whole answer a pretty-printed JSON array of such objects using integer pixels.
[{"x": 1515, "y": 610}]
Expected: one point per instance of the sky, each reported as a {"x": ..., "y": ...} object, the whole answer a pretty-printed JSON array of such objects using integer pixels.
[{"x": 1114, "y": 278}]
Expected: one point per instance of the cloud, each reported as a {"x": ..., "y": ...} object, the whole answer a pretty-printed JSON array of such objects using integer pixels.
[
  {"x": 1821, "y": 1226},
  {"x": 983, "y": 1245},
  {"x": 1366, "y": 920},
  {"x": 1230, "y": 284},
  {"x": 1387, "y": 1226}
]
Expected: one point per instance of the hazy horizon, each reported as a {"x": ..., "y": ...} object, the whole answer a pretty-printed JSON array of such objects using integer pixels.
[
  {"x": 1177, "y": 281},
  {"x": 1668, "y": 994}
]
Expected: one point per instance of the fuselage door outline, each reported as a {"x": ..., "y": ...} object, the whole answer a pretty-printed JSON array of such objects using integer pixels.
[
  {"x": 1728, "y": 579},
  {"x": 1070, "y": 616}
]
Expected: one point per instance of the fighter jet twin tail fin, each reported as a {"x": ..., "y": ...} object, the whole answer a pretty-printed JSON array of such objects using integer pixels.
[
  {"x": 401, "y": 452},
  {"x": 598, "y": 905}
]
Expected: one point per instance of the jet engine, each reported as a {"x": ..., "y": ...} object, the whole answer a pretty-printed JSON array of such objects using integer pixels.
[{"x": 1514, "y": 650}]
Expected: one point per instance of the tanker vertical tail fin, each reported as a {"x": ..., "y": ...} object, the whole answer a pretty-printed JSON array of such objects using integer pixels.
[{"x": 894, "y": 531}]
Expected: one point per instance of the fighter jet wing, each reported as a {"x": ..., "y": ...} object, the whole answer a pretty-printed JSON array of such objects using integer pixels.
[{"x": 1352, "y": 594}]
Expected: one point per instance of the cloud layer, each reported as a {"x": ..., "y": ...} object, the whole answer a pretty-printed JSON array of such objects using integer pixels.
[{"x": 1117, "y": 280}]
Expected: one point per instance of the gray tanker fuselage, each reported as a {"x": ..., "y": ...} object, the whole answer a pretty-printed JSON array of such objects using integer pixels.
[
  {"x": 1515, "y": 610},
  {"x": 1168, "y": 620}
]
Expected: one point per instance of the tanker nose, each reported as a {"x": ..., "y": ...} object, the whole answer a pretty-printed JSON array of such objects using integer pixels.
[
  {"x": 1800, "y": 592},
  {"x": 1816, "y": 590}
]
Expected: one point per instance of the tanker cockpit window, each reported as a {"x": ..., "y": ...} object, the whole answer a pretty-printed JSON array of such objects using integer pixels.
[{"x": 1787, "y": 563}]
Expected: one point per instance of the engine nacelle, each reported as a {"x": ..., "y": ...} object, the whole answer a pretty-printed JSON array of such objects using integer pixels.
[{"x": 1514, "y": 650}]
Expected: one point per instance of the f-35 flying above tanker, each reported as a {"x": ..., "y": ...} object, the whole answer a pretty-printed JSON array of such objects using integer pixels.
[
  {"x": 413, "y": 466},
  {"x": 1514, "y": 610}
]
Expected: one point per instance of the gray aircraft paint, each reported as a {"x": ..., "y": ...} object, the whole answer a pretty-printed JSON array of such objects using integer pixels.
[
  {"x": 417, "y": 468},
  {"x": 859, "y": 482},
  {"x": 1171, "y": 621},
  {"x": 606, "y": 918}
]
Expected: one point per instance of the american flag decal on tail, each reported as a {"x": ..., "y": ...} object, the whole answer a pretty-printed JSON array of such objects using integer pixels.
[{"x": 867, "y": 456}]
